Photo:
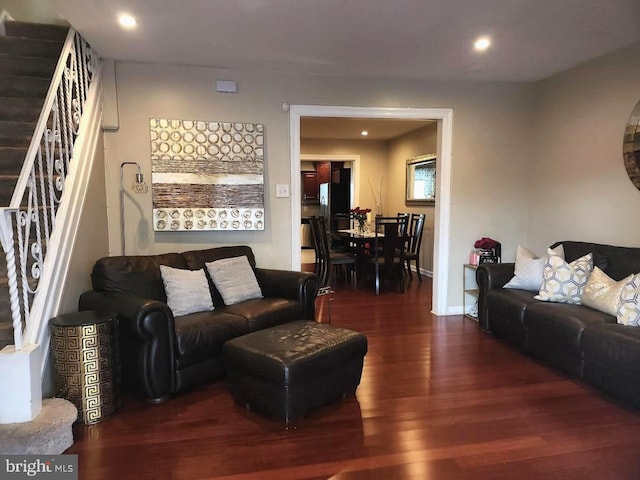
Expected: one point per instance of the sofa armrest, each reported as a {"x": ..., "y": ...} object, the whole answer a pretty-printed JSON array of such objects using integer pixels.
[
  {"x": 300, "y": 286},
  {"x": 147, "y": 341},
  {"x": 490, "y": 276}
]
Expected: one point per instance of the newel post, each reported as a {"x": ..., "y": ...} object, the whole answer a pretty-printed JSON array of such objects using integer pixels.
[{"x": 20, "y": 384}]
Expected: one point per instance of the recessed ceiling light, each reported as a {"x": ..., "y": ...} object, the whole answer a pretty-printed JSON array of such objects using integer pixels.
[
  {"x": 364, "y": 133},
  {"x": 482, "y": 43},
  {"x": 127, "y": 21}
]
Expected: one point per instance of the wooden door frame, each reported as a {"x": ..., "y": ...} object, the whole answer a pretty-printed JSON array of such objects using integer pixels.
[{"x": 444, "y": 117}]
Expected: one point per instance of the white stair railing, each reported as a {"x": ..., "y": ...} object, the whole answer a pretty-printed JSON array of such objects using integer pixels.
[{"x": 27, "y": 224}]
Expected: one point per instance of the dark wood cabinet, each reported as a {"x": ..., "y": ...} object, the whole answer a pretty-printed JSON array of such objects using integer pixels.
[
  {"x": 309, "y": 187},
  {"x": 323, "y": 170}
]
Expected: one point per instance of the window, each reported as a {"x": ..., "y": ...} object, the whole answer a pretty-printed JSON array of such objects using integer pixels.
[{"x": 421, "y": 180}]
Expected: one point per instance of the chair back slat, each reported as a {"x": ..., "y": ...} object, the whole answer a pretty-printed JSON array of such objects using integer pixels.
[
  {"x": 321, "y": 246},
  {"x": 415, "y": 232},
  {"x": 389, "y": 249}
]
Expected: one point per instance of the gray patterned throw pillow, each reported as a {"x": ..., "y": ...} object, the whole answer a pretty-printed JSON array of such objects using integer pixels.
[
  {"x": 187, "y": 290},
  {"x": 564, "y": 282},
  {"x": 234, "y": 279}
]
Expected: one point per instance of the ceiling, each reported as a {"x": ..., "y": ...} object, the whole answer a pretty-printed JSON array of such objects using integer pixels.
[{"x": 412, "y": 39}]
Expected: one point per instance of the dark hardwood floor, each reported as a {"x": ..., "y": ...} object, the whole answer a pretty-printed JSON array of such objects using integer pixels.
[{"x": 438, "y": 400}]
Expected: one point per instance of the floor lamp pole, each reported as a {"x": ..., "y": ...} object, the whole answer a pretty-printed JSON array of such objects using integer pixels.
[{"x": 138, "y": 187}]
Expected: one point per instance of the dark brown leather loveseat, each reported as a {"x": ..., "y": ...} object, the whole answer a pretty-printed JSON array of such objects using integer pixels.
[
  {"x": 161, "y": 354},
  {"x": 581, "y": 341}
]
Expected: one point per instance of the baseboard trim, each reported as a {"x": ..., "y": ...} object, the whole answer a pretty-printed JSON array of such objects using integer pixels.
[{"x": 423, "y": 272}]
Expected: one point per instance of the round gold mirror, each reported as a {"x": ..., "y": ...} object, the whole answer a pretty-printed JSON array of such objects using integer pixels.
[{"x": 631, "y": 146}]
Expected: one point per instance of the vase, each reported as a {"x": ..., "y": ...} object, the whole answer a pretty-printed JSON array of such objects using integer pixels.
[{"x": 362, "y": 226}]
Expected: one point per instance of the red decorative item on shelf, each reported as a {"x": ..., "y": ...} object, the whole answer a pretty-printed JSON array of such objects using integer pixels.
[{"x": 489, "y": 250}]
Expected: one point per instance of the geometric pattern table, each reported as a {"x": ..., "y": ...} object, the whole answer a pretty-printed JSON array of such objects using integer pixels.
[{"x": 84, "y": 347}]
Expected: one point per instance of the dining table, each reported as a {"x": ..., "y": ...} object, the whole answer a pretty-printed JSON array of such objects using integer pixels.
[{"x": 361, "y": 243}]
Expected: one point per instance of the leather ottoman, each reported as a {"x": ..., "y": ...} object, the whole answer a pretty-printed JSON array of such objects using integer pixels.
[{"x": 288, "y": 370}]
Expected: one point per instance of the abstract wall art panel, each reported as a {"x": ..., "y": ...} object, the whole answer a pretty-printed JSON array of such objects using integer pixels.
[{"x": 207, "y": 175}]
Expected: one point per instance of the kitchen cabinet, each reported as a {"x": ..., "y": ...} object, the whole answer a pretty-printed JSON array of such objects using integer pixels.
[
  {"x": 323, "y": 171},
  {"x": 310, "y": 188}
]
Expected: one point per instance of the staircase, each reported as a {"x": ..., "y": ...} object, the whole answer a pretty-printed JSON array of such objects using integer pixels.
[{"x": 28, "y": 56}]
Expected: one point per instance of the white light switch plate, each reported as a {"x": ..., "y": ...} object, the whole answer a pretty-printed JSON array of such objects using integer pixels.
[{"x": 282, "y": 190}]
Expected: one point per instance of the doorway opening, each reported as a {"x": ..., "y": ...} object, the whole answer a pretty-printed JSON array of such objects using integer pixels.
[{"x": 444, "y": 118}]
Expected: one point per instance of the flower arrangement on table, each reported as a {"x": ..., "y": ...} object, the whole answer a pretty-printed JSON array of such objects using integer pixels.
[
  {"x": 360, "y": 215},
  {"x": 489, "y": 250}
]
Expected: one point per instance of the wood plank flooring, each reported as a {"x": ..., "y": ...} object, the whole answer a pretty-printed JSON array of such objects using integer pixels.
[{"x": 438, "y": 400}]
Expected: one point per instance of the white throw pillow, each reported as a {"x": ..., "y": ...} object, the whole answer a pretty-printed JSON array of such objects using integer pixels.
[
  {"x": 529, "y": 269},
  {"x": 564, "y": 282},
  {"x": 234, "y": 279},
  {"x": 629, "y": 308},
  {"x": 187, "y": 290},
  {"x": 603, "y": 292}
]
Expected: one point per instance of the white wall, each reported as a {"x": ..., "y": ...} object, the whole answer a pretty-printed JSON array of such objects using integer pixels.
[
  {"x": 580, "y": 188},
  {"x": 92, "y": 243},
  {"x": 491, "y": 135},
  {"x": 419, "y": 142},
  {"x": 37, "y": 11}
]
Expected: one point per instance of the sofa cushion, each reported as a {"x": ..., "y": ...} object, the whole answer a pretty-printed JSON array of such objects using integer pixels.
[
  {"x": 617, "y": 262},
  {"x": 136, "y": 275},
  {"x": 234, "y": 279},
  {"x": 562, "y": 324},
  {"x": 187, "y": 290},
  {"x": 615, "y": 346},
  {"x": 267, "y": 312},
  {"x": 509, "y": 303},
  {"x": 200, "y": 336},
  {"x": 562, "y": 281}
]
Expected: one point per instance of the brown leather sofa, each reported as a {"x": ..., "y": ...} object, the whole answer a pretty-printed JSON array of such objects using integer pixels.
[
  {"x": 581, "y": 341},
  {"x": 161, "y": 354}
]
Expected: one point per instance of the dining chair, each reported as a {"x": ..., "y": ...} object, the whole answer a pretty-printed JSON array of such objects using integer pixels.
[
  {"x": 389, "y": 248},
  {"x": 328, "y": 260},
  {"x": 402, "y": 214},
  {"x": 416, "y": 226},
  {"x": 322, "y": 269}
]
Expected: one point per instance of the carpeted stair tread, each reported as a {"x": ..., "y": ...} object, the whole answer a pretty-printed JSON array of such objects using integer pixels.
[
  {"x": 6, "y": 333},
  {"x": 11, "y": 160},
  {"x": 28, "y": 57},
  {"x": 39, "y": 31},
  {"x": 23, "y": 87},
  {"x": 20, "y": 109},
  {"x": 8, "y": 185},
  {"x": 16, "y": 134},
  {"x": 30, "y": 47},
  {"x": 50, "y": 433},
  {"x": 27, "y": 66}
]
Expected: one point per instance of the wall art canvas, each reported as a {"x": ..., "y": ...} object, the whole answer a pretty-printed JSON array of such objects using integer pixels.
[{"x": 207, "y": 175}]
